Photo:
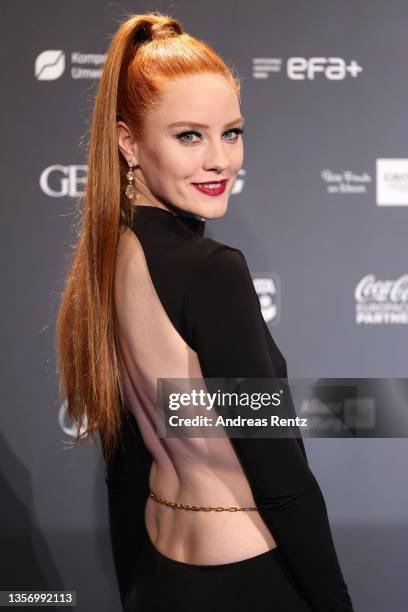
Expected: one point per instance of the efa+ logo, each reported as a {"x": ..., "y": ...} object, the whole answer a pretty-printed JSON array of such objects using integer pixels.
[
  {"x": 302, "y": 68},
  {"x": 49, "y": 65}
]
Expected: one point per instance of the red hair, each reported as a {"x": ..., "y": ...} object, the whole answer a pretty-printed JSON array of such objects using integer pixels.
[{"x": 145, "y": 53}]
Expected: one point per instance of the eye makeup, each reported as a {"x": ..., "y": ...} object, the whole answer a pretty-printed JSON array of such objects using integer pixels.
[{"x": 182, "y": 136}]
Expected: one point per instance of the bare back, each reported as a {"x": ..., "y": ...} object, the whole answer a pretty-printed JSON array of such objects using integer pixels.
[
  {"x": 187, "y": 308},
  {"x": 196, "y": 471}
]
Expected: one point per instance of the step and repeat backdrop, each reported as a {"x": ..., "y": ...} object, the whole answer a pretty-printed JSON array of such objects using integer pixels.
[{"x": 320, "y": 210}]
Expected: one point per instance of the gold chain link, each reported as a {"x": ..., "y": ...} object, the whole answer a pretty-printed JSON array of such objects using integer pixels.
[{"x": 177, "y": 506}]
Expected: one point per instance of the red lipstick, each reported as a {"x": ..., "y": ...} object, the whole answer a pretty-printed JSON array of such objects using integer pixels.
[{"x": 211, "y": 188}]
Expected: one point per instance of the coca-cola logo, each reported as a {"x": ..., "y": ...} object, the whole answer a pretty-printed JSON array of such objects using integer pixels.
[{"x": 369, "y": 289}]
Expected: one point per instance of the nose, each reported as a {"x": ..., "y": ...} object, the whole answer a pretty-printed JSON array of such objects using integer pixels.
[{"x": 216, "y": 157}]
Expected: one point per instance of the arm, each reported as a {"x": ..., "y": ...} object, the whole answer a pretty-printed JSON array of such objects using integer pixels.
[
  {"x": 127, "y": 485},
  {"x": 226, "y": 327}
]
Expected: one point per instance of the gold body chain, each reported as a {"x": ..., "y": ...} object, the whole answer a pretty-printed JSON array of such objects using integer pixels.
[{"x": 177, "y": 506}]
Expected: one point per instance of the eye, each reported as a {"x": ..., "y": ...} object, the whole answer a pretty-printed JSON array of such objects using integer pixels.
[
  {"x": 185, "y": 136},
  {"x": 236, "y": 131}
]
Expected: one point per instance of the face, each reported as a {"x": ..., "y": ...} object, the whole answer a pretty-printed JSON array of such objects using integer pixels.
[{"x": 173, "y": 159}]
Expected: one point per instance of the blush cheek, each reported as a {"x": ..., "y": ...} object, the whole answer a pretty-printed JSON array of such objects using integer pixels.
[{"x": 183, "y": 165}]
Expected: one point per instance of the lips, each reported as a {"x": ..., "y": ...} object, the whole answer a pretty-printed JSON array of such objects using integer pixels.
[
  {"x": 210, "y": 182},
  {"x": 216, "y": 188}
]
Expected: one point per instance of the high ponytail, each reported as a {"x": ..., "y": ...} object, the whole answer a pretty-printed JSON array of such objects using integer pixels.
[{"x": 146, "y": 52}]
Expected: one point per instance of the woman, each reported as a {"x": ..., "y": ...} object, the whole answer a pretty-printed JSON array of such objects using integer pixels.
[{"x": 230, "y": 523}]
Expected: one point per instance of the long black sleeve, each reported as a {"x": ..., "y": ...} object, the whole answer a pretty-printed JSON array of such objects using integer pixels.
[
  {"x": 227, "y": 329},
  {"x": 127, "y": 486}
]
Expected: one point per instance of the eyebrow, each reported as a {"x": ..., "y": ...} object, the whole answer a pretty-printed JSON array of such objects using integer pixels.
[{"x": 202, "y": 125}]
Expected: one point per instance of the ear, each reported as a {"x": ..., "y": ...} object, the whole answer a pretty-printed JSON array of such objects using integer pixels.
[{"x": 127, "y": 143}]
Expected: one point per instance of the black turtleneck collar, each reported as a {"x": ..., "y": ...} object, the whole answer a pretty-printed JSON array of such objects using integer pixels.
[{"x": 189, "y": 221}]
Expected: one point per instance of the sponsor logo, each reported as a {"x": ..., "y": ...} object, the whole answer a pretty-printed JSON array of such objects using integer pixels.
[
  {"x": 58, "y": 181},
  {"x": 67, "y": 425},
  {"x": 50, "y": 65},
  {"x": 381, "y": 301},
  {"x": 306, "y": 68},
  {"x": 392, "y": 182},
  {"x": 239, "y": 182},
  {"x": 268, "y": 291},
  {"x": 345, "y": 181}
]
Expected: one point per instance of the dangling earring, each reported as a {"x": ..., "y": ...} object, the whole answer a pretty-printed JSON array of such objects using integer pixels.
[{"x": 130, "y": 188}]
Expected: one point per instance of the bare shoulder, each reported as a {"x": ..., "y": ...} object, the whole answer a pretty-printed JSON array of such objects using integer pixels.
[
  {"x": 130, "y": 251},
  {"x": 128, "y": 239}
]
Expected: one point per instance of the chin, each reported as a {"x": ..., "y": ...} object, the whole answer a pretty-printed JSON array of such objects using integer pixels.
[
  {"x": 221, "y": 210},
  {"x": 213, "y": 210}
]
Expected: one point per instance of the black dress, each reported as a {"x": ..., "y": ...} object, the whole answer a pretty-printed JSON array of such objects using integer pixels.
[{"x": 208, "y": 294}]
